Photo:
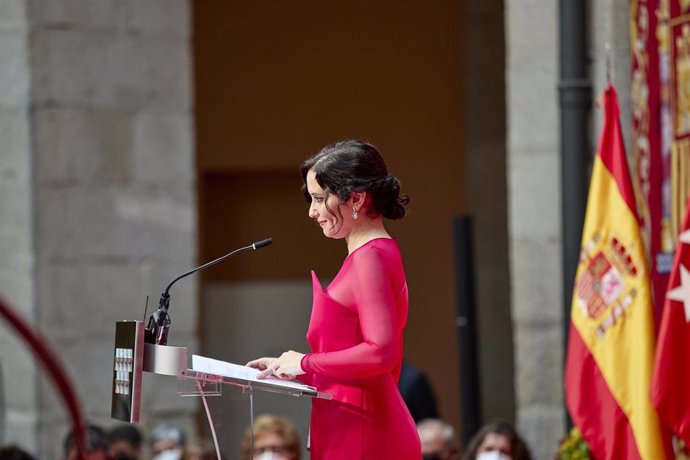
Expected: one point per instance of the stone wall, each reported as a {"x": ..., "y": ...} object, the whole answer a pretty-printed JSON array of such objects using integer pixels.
[{"x": 105, "y": 120}]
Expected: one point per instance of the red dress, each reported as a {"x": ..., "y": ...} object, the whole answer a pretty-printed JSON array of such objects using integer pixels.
[{"x": 355, "y": 334}]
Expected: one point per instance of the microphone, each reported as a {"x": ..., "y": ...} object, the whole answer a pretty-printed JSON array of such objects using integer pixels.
[{"x": 159, "y": 321}]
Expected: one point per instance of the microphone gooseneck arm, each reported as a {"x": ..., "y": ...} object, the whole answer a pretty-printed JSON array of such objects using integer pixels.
[
  {"x": 159, "y": 322},
  {"x": 253, "y": 246}
]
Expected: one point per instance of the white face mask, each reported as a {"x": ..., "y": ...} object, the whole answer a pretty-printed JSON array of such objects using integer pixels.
[
  {"x": 492, "y": 455},
  {"x": 270, "y": 456},
  {"x": 170, "y": 454}
]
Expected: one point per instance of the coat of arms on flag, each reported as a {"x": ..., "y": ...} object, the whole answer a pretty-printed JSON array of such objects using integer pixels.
[{"x": 603, "y": 287}]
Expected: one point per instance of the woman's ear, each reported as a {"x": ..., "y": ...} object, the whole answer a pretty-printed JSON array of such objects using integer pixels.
[{"x": 358, "y": 199}]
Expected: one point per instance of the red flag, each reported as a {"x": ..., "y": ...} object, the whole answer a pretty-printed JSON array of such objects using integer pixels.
[{"x": 671, "y": 382}]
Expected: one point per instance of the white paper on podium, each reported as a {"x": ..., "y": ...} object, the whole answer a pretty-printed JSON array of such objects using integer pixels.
[{"x": 225, "y": 369}]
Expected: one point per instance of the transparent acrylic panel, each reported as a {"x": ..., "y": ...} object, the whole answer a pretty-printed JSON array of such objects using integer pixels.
[{"x": 233, "y": 405}]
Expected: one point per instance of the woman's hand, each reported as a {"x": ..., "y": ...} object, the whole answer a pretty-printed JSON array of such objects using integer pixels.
[
  {"x": 261, "y": 363},
  {"x": 286, "y": 367}
]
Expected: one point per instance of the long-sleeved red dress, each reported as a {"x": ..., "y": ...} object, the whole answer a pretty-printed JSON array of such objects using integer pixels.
[{"x": 355, "y": 334}]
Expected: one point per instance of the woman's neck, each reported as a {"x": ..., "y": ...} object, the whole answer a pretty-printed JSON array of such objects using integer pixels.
[{"x": 366, "y": 231}]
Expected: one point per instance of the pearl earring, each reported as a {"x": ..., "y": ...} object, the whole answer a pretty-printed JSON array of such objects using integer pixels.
[{"x": 355, "y": 214}]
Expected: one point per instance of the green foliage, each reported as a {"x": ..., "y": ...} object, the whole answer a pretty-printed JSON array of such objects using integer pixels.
[{"x": 573, "y": 447}]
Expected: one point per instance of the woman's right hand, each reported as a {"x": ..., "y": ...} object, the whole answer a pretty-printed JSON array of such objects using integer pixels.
[
  {"x": 262, "y": 363},
  {"x": 286, "y": 367}
]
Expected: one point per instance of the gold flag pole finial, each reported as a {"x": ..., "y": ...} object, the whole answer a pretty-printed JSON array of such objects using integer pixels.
[{"x": 599, "y": 100}]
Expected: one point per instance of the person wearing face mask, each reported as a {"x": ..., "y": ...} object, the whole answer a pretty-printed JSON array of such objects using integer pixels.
[
  {"x": 275, "y": 438},
  {"x": 438, "y": 440},
  {"x": 498, "y": 440},
  {"x": 202, "y": 449},
  {"x": 356, "y": 329},
  {"x": 167, "y": 443}
]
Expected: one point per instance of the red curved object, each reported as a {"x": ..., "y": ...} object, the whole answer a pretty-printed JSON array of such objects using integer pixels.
[{"x": 50, "y": 361}]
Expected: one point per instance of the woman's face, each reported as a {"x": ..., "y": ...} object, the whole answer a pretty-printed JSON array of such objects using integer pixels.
[{"x": 334, "y": 223}]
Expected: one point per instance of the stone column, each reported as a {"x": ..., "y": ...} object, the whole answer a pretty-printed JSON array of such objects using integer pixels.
[
  {"x": 18, "y": 418},
  {"x": 110, "y": 200},
  {"x": 534, "y": 220}
]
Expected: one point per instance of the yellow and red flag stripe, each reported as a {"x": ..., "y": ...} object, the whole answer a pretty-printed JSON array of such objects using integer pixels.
[{"x": 611, "y": 343}]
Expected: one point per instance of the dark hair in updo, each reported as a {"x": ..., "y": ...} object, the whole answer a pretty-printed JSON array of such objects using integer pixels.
[{"x": 356, "y": 166}]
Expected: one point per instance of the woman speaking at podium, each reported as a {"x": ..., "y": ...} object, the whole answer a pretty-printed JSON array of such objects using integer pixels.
[{"x": 355, "y": 331}]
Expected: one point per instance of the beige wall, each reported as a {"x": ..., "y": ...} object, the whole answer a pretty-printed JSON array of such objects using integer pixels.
[
  {"x": 485, "y": 184},
  {"x": 274, "y": 83}
]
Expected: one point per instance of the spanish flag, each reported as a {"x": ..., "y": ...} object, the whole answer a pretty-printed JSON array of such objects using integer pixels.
[{"x": 611, "y": 343}]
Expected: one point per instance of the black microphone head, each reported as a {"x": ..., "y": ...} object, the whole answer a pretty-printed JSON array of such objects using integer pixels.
[{"x": 262, "y": 243}]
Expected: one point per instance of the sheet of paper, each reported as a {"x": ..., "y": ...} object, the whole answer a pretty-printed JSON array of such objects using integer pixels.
[{"x": 217, "y": 367}]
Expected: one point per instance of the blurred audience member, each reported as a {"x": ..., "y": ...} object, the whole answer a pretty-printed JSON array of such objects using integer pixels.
[
  {"x": 438, "y": 440},
  {"x": 125, "y": 443},
  {"x": 96, "y": 444},
  {"x": 497, "y": 441},
  {"x": 417, "y": 393},
  {"x": 167, "y": 443},
  {"x": 14, "y": 453},
  {"x": 275, "y": 438},
  {"x": 201, "y": 449}
]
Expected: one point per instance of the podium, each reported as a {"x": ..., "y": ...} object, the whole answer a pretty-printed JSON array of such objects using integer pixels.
[{"x": 203, "y": 377}]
